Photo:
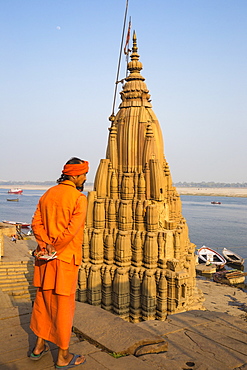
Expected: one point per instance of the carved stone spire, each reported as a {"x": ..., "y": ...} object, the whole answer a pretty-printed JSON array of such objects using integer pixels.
[{"x": 134, "y": 218}]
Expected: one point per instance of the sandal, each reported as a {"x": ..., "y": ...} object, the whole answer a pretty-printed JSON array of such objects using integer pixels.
[
  {"x": 71, "y": 364},
  {"x": 41, "y": 354}
]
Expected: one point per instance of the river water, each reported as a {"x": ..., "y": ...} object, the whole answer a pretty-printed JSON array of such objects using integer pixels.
[
  {"x": 214, "y": 225},
  {"x": 217, "y": 225}
]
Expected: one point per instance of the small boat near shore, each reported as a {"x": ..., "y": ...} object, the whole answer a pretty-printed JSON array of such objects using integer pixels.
[
  {"x": 15, "y": 191},
  {"x": 232, "y": 257},
  {"x": 210, "y": 256},
  {"x": 24, "y": 225},
  {"x": 13, "y": 199},
  {"x": 230, "y": 277}
]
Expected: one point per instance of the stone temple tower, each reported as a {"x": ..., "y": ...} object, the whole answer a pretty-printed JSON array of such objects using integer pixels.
[{"x": 138, "y": 261}]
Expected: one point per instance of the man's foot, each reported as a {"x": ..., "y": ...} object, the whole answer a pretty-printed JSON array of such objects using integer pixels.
[
  {"x": 37, "y": 353},
  {"x": 75, "y": 360}
]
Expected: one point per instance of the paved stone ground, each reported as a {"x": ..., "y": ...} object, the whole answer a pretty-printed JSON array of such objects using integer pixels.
[{"x": 197, "y": 340}]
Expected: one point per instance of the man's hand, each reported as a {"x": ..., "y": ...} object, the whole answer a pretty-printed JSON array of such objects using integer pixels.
[
  {"x": 39, "y": 252},
  {"x": 42, "y": 251},
  {"x": 50, "y": 249}
]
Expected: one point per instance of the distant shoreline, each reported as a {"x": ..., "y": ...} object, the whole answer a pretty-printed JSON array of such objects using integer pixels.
[
  {"x": 37, "y": 187},
  {"x": 218, "y": 192}
]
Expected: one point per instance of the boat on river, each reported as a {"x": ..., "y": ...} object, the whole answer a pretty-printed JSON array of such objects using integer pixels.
[
  {"x": 209, "y": 256},
  {"x": 24, "y": 225},
  {"x": 13, "y": 199},
  {"x": 230, "y": 277},
  {"x": 232, "y": 257},
  {"x": 15, "y": 191},
  {"x": 215, "y": 202}
]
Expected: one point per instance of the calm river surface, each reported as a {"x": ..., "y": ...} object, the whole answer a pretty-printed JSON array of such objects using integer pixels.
[
  {"x": 217, "y": 225},
  {"x": 213, "y": 225}
]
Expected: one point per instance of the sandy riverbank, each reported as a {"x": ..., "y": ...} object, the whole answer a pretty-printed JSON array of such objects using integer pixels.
[{"x": 220, "y": 192}]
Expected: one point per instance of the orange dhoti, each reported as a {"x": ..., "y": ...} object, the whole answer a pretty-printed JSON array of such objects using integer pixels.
[
  {"x": 54, "y": 306},
  {"x": 52, "y": 317}
]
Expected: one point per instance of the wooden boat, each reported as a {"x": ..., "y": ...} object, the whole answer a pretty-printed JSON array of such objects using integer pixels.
[
  {"x": 13, "y": 199},
  {"x": 23, "y": 225},
  {"x": 215, "y": 202},
  {"x": 15, "y": 191},
  {"x": 232, "y": 257},
  {"x": 230, "y": 277},
  {"x": 208, "y": 255}
]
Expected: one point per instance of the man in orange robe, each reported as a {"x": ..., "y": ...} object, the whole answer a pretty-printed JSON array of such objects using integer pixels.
[{"x": 58, "y": 225}]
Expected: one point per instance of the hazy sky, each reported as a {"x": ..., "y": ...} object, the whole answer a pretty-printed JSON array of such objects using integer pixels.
[{"x": 58, "y": 68}]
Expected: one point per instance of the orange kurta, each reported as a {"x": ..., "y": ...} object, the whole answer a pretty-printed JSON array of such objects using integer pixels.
[{"x": 59, "y": 220}]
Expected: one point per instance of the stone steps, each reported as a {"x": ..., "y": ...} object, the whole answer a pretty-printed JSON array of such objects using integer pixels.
[
  {"x": 16, "y": 263},
  {"x": 16, "y": 279},
  {"x": 9, "y": 283},
  {"x": 19, "y": 290},
  {"x": 16, "y": 271}
]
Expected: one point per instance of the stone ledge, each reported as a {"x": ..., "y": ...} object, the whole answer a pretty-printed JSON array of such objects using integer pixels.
[{"x": 113, "y": 334}]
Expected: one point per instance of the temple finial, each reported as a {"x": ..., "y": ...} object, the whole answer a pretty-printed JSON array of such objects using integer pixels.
[
  {"x": 135, "y": 48},
  {"x": 135, "y": 66},
  {"x": 134, "y": 55}
]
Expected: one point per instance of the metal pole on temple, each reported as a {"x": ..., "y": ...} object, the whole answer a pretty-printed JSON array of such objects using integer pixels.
[{"x": 119, "y": 59}]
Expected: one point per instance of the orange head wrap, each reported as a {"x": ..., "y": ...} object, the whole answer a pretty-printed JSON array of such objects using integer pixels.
[{"x": 76, "y": 169}]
